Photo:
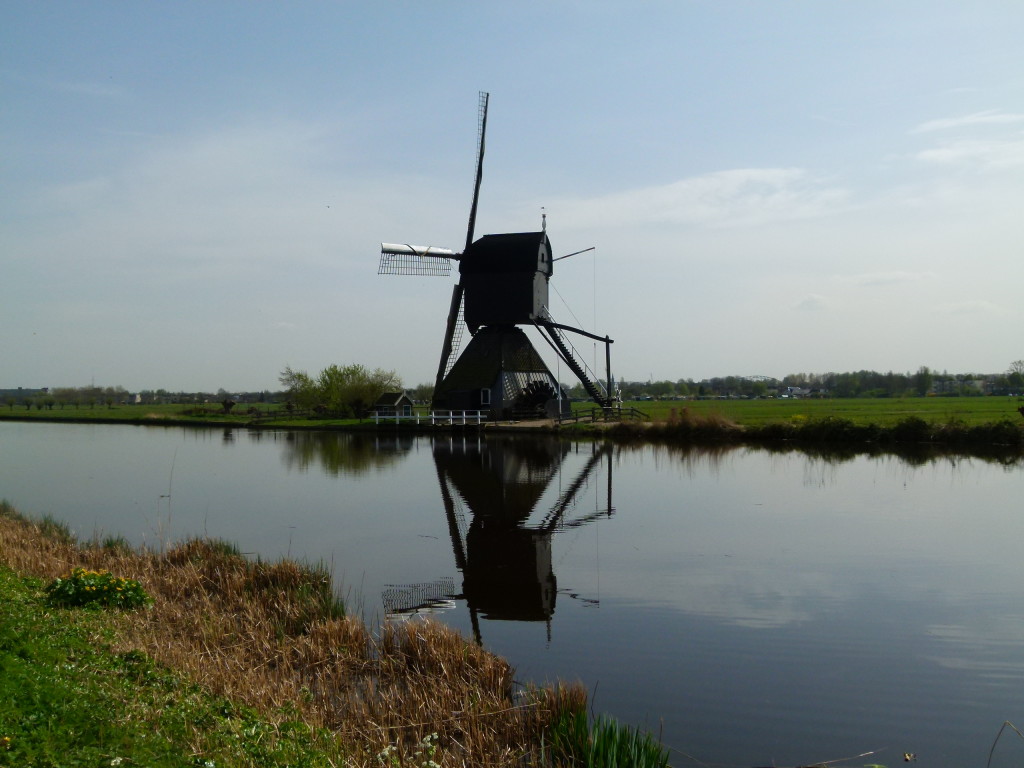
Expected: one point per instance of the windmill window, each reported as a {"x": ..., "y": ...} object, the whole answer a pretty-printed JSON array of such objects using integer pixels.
[{"x": 485, "y": 397}]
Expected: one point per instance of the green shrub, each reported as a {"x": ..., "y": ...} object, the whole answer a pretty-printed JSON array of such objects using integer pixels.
[
  {"x": 85, "y": 587},
  {"x": 912, "y": 429}
]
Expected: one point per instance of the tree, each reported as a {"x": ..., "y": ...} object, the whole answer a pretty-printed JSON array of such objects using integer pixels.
[
  {"x": 660, "y": 389},
  {"x": 923, "y": 380},
  {"x": 65, "y": 396},
  {"x": 113, "y": 395},
  {"x": 352, "y": 389},
  {"x": 1015, "y": 376},
  {"x": 299, "y": 388},
  {"x": 348, "y": 390},
  {"x": 423, "y": 393}
]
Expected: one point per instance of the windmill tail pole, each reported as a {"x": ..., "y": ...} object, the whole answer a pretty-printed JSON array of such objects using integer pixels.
[
  {"x": 608, "y": 369},
  {"x": 554, "y": 338}
]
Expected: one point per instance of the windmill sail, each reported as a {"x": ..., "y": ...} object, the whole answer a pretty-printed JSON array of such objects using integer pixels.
[
  {"x": 481, "y": 132},
  {"x": 404, "y": 259},
  {"x": 455, "y": 310}
]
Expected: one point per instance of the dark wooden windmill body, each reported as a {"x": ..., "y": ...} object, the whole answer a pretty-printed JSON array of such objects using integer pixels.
[
  {"x": 502, "y": 287},
  {"x": 505, "y": 499}
]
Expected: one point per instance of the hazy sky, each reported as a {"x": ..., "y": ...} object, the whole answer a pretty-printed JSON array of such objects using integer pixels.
[{"x": 193, "y": 194}]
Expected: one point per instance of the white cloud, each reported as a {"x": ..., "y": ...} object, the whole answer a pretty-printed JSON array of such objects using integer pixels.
[
  {"x": 992, "y": 153},
  {"x": 733, "y": 198},
  {"x": 988, "y": 117},
  {"x": 972, "y": 146},
  {"x": 241, "y": 196},
  {"x": 974, "y": 307}
]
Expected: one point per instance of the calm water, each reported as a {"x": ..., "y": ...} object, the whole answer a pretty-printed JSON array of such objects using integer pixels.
[{"x": 757, "y": 608}]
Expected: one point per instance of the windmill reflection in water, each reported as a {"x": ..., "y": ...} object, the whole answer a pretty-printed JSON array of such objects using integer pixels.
[{"x": 501, "y": 541}]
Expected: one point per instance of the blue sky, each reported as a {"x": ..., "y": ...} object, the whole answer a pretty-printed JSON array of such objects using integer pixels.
[{"x": 194, "y": 193}]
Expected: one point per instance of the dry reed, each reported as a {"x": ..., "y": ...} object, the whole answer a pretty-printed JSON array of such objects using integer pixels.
[{"x": 271, "y": 636}]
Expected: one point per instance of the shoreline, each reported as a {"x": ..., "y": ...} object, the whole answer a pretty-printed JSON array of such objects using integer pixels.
[{"x": 911, "y": 435}]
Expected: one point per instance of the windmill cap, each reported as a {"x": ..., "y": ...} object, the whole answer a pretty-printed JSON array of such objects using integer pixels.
[{"x": 513, "y": 252}]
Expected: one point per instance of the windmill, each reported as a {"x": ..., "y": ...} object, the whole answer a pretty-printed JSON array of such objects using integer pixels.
[{"x": 502, "y": 287}]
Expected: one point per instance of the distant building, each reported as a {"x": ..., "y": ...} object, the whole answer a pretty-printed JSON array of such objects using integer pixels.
[
  {"x": 21, "y": 394},
  {"x": 393, "y": 404}
]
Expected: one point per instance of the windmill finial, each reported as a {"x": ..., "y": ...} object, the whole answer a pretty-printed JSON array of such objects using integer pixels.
[{"x": 543, "y": 220}]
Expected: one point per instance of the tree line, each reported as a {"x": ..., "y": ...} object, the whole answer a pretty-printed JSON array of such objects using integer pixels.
[
  {"x": 61, "y": 397},
  {"x": 352, "y": 389},
  {"x": 924, "y": 381}
]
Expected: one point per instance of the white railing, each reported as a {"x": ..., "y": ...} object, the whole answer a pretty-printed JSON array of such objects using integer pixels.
[{"x": 434, "y": 417}]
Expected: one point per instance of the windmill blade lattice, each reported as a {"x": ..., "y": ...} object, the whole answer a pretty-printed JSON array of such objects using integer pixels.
[{"x": 404, "y": 259}]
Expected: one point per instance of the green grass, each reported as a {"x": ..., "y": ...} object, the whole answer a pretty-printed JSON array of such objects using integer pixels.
[
  {"x": 207, "y": 414},
  {"x": 199, "y": 414},
  {"x": 970, "y": 411},
  {"x": 603, "y": 743},
  {"x": 67, "y": 699},
  {"x": 883, "y": 412}
]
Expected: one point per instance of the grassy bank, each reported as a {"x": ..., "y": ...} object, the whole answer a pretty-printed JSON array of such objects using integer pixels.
[
  {"x": 209, "y": 414},
  {"x": 197, "y": 656},
  {"x": 882, "y": 412},
  {"x": 976, "y": 425},
  {"x": 69, "y": 698},
  {"x": 237, "y": 662}
]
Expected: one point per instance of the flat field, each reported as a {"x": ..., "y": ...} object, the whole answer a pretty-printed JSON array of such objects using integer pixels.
[
  {"x": 884, "y": 412},
  {"x": 210, "y": 413}
]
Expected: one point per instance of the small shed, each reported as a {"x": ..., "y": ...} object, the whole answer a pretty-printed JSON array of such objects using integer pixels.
[{"x": 393, "y": 404}]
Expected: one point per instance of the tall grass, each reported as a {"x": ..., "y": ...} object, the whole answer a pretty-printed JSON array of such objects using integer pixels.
[
  {"x": 268, "y": 634},
  {"x": 605, "y": 743}
]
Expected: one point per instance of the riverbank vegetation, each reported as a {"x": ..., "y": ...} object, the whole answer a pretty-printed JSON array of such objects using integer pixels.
[
  {"x": 970, "y": 411},
  {"x": 897, "y": 433},
  {"x": 70, "y": 695},
  {"x": 241, "y": 662},
  {"x": 976, "y": 425},
  {"x": 883, "y": 412}
]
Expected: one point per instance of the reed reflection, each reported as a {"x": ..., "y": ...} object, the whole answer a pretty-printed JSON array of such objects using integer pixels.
[{"x": 501, "y": 528}]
